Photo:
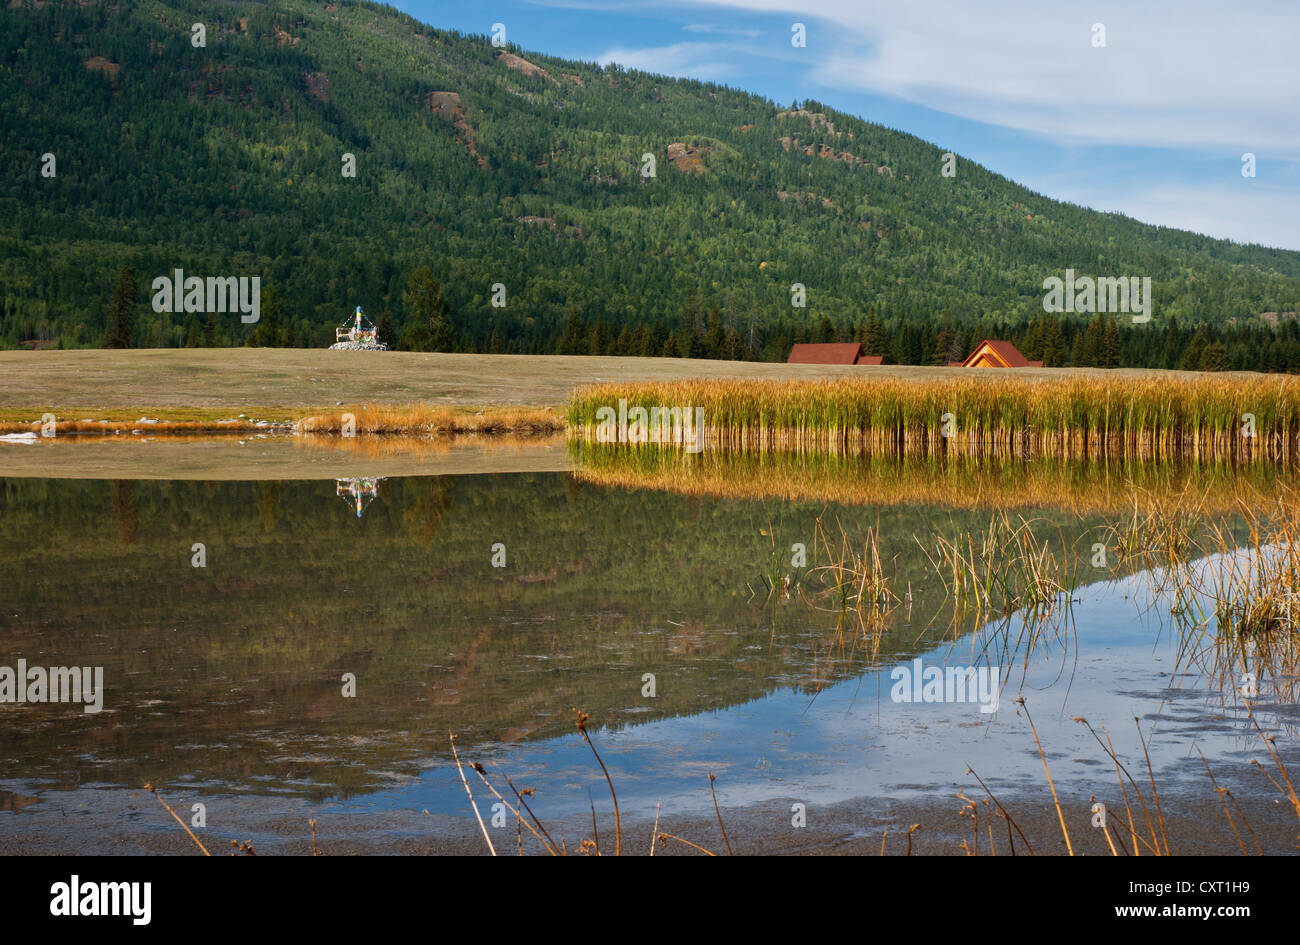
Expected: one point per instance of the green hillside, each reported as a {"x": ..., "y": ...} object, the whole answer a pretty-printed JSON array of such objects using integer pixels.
[{"x": 512, "y": 167}]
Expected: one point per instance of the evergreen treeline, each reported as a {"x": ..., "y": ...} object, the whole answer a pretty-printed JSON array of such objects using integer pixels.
[
  {"x": 131, "y": 147},
  {"x": 1105, "y": 341}
]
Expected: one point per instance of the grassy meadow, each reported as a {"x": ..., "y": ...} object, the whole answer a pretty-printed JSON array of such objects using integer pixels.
[{"x": 287, "y": 384}]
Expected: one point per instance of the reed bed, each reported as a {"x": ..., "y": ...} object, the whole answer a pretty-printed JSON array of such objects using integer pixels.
[
  {"x": 1003, "y": 570},
  {"x": 426, "y": 419},
  {"x": 1240, "y": 572},
  {"x": 1010, "y": 569},
  {"x": 1232, "y": 586},
  {"x": 854, "y": 576},
  {"x": 1245, "y": 588},
  {"x": 1230, "y": 580},
  {"x": 1148, "y": 417}
]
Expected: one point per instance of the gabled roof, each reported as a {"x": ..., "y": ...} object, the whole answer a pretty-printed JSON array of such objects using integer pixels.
[
  {"x": 1002, "y": 353},
  {"x": 825, "y": 354},
  {"x": 870, "y": 359}
]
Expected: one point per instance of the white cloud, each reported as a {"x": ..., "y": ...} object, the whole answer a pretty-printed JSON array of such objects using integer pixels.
[
  {"x": 721, "y": 30},
  {"x": 1172, "y": 73},
  {"x": 1248, "y": 213},
  {"x": 693, "y": 60}
]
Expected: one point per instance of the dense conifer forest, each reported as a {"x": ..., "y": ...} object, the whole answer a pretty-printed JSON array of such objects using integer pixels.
[{"x": 503, "y": 200}]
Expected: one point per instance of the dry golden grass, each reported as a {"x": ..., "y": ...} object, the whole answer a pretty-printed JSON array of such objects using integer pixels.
[
  {"x": 425, "y": 419},
  {"x": 69, "y": 427},
  {"x": 412, "y": 420}
]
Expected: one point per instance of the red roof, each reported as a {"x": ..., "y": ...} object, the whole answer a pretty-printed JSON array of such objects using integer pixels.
[
  {"x": 825, "y": 354},
  {"x": 1003, "y": 351},
  {"x": 870, "y": 359}
]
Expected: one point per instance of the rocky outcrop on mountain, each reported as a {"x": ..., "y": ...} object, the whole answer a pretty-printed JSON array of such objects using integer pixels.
[{"x": 520, "y": 64}]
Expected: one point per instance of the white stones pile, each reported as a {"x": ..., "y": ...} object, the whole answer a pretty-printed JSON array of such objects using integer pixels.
[{"x": 358, "y": 346}]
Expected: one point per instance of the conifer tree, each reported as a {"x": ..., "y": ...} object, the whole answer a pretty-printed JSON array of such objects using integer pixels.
[
  {"x": 875, "y": 341},
  {"x": 430, "y": 328},
  {"x": 1110, "y": 356},
  {"x": 121, "y": 311}
]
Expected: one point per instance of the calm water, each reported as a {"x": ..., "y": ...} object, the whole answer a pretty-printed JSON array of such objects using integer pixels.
[{"x": 228, "y": 678}]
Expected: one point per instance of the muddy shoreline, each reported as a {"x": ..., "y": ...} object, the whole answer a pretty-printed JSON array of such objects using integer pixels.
[{"x": 119, "y": 821}]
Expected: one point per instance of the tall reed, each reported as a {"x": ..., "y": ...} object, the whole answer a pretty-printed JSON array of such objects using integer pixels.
[{"x": 1076, "y": 415}]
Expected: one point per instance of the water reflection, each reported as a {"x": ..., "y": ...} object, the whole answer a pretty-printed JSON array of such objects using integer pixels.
[
  {"x": 359, "y": 492},
  {"x": 228, "y": 677}
]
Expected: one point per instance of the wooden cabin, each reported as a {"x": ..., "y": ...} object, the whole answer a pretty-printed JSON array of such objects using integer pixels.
[
  {"x": 997, "y": 354},
  {"x": 848, "y": 353}
]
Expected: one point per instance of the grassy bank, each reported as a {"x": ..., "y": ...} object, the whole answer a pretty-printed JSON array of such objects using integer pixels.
[
  {"x": 413, "y": 420},
  {"x": 421, "y": 419},
  {"x": 1150, "y": 416}
]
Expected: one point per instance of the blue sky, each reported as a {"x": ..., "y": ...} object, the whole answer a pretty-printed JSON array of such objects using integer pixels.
[{"x": 1153, "y": 124}]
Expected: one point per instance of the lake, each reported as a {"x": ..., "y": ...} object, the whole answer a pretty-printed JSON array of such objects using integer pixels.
[{"x": 290, "y": 648}]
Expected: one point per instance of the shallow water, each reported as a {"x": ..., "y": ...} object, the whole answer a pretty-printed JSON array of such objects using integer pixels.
[{"x": 228, "y": 679}]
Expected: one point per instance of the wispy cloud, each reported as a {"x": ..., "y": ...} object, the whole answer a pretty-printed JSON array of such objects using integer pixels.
[
  {"x": 1247, "y": 213},
  {"x": 1172, "y": 73},
  {"x": 721, "y": 30},
  {"x": 707, "y": 61}
]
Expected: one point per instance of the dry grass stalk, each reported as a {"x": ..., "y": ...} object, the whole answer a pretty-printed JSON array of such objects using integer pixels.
[
  {"x": 654, "y": 833},
  {"x": 1060, "y": 815},
  {"x": 550, "y": 848},
  {"x": 154, "y": 791},
  {"x": 463, "y": 781},
  {"x": 1154, "y": 844},
  {"x": 718, "y": 813},
  {"x": 582, "y": 718},
  {"x": 1003, "y": 812},
  {"x": 1220, "y": 792},
  {"x": 693, "y": 846}
]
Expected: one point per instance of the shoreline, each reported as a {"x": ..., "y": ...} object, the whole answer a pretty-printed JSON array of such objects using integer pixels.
[
  {"x": 95, "y": 820},
  {"x": 342, "y": 420}
]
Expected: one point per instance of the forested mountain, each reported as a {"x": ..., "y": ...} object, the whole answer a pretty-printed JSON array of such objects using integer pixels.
[{"x": 505, "y": 166}]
